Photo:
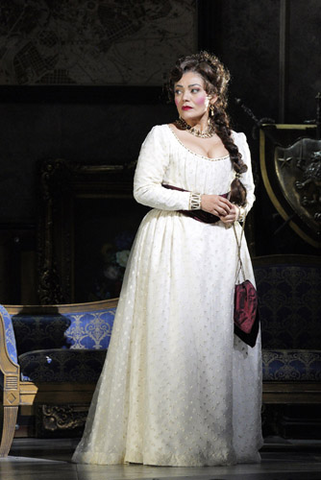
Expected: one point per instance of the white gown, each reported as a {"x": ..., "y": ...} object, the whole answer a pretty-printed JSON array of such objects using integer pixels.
[{"x": 177, "y": 388}]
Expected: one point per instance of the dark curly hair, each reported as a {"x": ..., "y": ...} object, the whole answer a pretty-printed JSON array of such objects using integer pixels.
[{"x": 216, "y": 78}]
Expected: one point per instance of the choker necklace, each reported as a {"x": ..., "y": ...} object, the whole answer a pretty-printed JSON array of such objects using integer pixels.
[{"x": 208, "y": 132}]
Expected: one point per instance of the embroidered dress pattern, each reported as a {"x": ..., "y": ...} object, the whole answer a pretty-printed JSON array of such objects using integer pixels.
[{"x": 178, "y": 388}]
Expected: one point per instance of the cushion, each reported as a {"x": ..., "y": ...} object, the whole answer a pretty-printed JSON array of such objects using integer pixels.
[
  {"x": 291, "y": 365},
  {"x": 81, "y": 330},
  {"x": 61, "y": 365}
]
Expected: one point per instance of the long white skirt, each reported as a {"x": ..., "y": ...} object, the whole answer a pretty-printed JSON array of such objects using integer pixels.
[{"x": 178, "y": 388}]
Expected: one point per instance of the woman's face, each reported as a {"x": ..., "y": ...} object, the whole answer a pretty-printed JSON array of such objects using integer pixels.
[{"x": 192, "y": 101}]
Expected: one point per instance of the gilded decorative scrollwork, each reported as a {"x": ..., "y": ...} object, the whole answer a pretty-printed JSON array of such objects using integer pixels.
[{"x": 58, "y": 419}]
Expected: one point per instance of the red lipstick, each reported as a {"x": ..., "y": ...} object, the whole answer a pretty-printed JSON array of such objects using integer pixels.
[{"x": 186, "y": 108}]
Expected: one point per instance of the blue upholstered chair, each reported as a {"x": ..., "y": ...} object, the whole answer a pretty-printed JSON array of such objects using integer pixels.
[
  {"x": 289, "y": 288},
  {"x": 50, "y": 355}
]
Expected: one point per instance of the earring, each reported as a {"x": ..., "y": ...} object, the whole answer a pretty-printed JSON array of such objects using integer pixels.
[{"x": 212, "y": 110}]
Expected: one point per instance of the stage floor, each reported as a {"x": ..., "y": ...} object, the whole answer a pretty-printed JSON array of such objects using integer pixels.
[{"x": 43, "y": 459}]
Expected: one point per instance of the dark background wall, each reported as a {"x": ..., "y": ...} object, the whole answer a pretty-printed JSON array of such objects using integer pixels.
[{"x": 107, "y": 124}]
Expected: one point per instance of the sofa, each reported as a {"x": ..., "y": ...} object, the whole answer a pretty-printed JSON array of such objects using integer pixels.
[
  {"x": 289, "y": 288},
  {"x": 50, "y": 359},
  {"x": 51, "y": 356}
]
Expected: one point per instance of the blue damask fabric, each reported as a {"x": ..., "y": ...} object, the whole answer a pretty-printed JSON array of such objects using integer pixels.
[
  {"x": 292, "y": 365},
  {"x": 289, "y": 306},
  {"x": 91, "y": 330},
  {"x": 290, "y": 313},
  {"x": 9, "y": 333},
  {"x": 63, "y": 347},
  {"x": 84, "y": 330}
]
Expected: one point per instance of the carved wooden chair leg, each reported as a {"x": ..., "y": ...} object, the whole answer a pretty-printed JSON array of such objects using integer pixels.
[{"x": 8, "y": 429}]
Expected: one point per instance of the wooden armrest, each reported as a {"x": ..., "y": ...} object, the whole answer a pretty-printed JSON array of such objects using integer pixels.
[{"x": 291, "y": 393}]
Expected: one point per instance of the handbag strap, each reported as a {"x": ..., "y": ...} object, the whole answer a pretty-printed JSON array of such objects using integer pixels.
[{"x": 239, "y": 243}]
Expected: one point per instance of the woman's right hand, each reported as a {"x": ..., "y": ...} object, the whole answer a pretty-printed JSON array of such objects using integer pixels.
[{"x": 215, "y": 204}]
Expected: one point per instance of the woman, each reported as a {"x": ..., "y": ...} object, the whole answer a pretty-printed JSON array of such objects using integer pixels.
[{"x": 177, "y": 387}]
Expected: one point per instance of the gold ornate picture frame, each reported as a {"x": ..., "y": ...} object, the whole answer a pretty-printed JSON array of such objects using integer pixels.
[{"x": 87, "y": 221}]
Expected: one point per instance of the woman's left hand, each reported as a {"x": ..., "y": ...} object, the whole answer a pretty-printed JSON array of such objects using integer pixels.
[{"x": 232, "y": 216}]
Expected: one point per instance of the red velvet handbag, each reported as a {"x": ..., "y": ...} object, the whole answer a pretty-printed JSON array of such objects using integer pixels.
[{"x": 246, "y": 325}]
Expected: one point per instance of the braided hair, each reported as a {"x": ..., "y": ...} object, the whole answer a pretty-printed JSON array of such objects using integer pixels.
[{"x": 216, "y": 78}]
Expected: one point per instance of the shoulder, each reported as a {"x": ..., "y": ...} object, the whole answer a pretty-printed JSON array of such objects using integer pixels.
[
  {"x": 159, "y": 134},
  {"x": 239, "y": 137},
  {"x": 240, "y": 141},
  {"x": 159, "y": 131},
  {"x": 157, "y": 139}
]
